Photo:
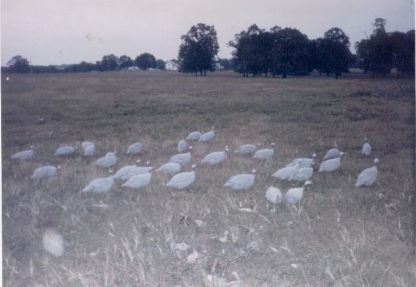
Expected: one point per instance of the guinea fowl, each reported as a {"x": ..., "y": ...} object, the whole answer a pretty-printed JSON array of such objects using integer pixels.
[
  {"x": 294, "y": 195},
  {"x": 100, "y": 185},
  {"x": 182, "y": 180},
  {"x": 134, "y": 149},
  {"x": 264, "y": 154},
  {"x": 368, "y": 176},
  {"x": 216, "y": 157},
  {"x": 332, "y": 164},
  {"x": 241, "y": 181}
]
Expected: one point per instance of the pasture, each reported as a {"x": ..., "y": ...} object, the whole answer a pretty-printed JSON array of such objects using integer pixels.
[{"x": 208, "y": 235}]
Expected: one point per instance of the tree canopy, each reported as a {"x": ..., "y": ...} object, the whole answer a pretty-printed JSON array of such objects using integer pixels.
[
  {"x": 198, "y": 50},
  {"x": 384, "y": 51},
  {"x": 145, "y": 61},
  {"x": 109, "y": 63},
  {"x": 18, "y": 64}
]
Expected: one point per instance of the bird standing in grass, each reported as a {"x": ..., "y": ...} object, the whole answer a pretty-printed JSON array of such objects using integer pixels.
[
  {"x": 182, "y": 158},
  {"x": 100, "y": 185},
  {"x": 333, "y": 152},
  {"x": 266, "y": 153},
  {"x": 294, "y": 195},
  {"x": 182, "y": 146},
  {"x": 302, "y": 174},
  {"x": 241, "y": 181},
  {"x": 287, "y": 172},
  {"x": 274, "y": 195},
  {"x": 208, "y": 136},
  {"x": 215, "y": 157},
  {"x": 303, "y": 161},
  {"x": 23, "y": 155},
  {"x": 170, "y": 168},
  {"x": 246, "y": 149},
  {"x": 330, "y": 165},
  {"x": 193, "y": 136},
  {"x": 366, "y": 148},
  {"x": 106, "y": 161},
  {"x": 368, "y": 176},
  {"x": 138, "y": 181},
  {"x": 182, "y": 180},
  {"x": 134, "y": 149},
  {"x": 44, "y": 172},
  {"x": 88, "y": 147},
  {"x": 65, "y": 150}
]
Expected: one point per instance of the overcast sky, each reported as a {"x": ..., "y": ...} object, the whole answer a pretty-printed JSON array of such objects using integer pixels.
[{"x": 71, "y": 31}]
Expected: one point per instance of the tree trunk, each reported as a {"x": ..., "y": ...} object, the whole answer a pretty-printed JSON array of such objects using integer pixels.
[{"x": 205, "y": 73}]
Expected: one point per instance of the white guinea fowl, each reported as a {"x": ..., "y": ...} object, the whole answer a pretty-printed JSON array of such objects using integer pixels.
[
  {"x": 241, "y": 181},
  {"x": 332, "y": 153},
  {"x": 303, "y": 161},
  {"x": 88, "y": 148},
  {"x": 182, "y": 146},
  {"x": 65, "y": 150},
  {"x": 100, "y": 185},
  {"x": 138, "y": 181},
  {"x": 182, "y": 180},
  {"x": 265, "y": 153},
  {"x": 302, "y": 174},
  {"x": 274, "y": 195},
  {"x": 246, "y": 149},
  {"x": 53, "y": 242},
  {"x": 294, "y": 195},
  {"x": 23, "y": 155},
  {"x": 134, "y": 149},
  {"x": 182, "y": 158},
  {"x": 208, "y": 136},
  {"x": 44, "y": 172},
  {"x": 366, "y": 148},
  {"x": 170, "y": 168},
  {"x": 368, "y": 176},
  {"x": 215, "y": 157},
  {"x": 330, "y": 165},
  {"x": 286, "y": 172},
  {"x": 106, "y": 161},
  {"x": 136, "y": 171},
  {"x": 128, "y": 171},
  {"x": 193, "y": 136}
]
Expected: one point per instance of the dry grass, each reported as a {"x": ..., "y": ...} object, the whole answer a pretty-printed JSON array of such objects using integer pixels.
[{"x": 338, "y": 236}]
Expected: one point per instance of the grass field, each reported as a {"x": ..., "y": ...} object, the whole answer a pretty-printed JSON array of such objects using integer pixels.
[{"x": 338, "y": 236}]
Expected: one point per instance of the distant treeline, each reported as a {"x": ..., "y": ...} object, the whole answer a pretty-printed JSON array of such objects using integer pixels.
[
  {"x": 279, "y": 51},
  {"x": 145, "y": 61},
  {"x": 283, "y": 51}
]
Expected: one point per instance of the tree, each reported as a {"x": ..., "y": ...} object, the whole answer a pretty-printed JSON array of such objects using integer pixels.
[
  {"x": 125, "y": 62},
  {"x": 336, "y": 49},
  {"x": 160, "y": 64},
  {"x": 403, "y": 47},
  {"x": 18, "y": 64},
  {"x": 289, "y": 52},
  {"x": 145, "y": 61},
  {"x": 246, "y": 57},
  {"x": 376, "y": 53},
  {"x": 379, "y": 25},
  {"x": 225, "y": 63},
  {"x": 109, "y": 63},
  {"x": 198, "y": 50},
  {"x": 83, "y": 67}
]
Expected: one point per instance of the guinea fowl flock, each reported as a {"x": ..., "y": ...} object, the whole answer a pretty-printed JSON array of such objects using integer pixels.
[{"x": 136, "y": 177}]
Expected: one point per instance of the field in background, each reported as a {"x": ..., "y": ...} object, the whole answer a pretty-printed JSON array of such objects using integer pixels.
[{"x": 338, "y": 236}]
